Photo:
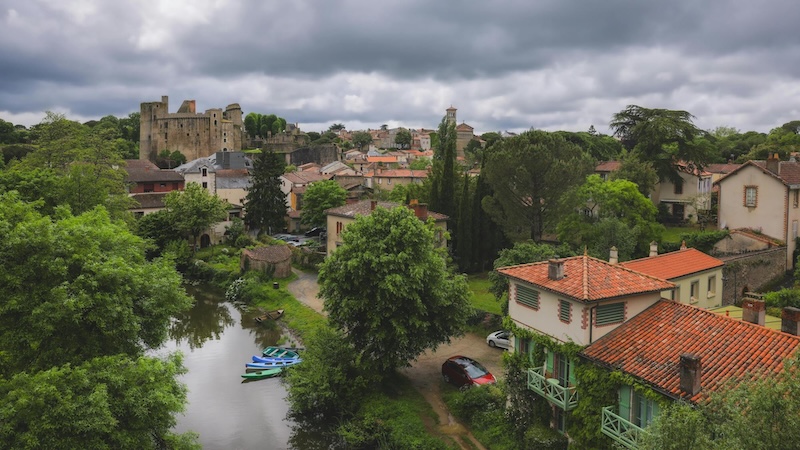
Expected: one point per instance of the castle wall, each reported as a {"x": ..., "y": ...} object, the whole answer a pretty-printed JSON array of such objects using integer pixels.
[{"x": 193, "y": 135}]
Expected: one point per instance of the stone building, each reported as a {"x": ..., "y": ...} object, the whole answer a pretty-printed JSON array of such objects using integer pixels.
[
  {"x": 193, "y": 135},
  {"x": 275, "y": 260},
  {"x": 464, "y": 132}
]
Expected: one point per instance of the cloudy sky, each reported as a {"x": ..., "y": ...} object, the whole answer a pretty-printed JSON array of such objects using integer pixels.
[{"x": 506, "y": 65}]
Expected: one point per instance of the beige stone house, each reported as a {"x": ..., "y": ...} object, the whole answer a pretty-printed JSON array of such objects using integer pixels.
[
  {"x": 763, "y": 196},
  {"x": 340, "y": 217}
]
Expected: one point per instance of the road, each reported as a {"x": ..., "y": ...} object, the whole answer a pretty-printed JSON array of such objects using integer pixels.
[{"x": 425, "y": 372}]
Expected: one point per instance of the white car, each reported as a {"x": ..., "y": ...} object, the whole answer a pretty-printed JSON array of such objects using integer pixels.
[{"x": 499, "y": 339}]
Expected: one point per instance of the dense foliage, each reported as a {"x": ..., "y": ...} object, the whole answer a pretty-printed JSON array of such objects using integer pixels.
[
  {"x": 389, "y": 289},
  {"x": 319, "y": 196}
]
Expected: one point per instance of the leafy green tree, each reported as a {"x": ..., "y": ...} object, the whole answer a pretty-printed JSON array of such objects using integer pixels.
[
  {"x": 491, "y": 138},
  {"x": 251, "y": 125},
  {"x": 327, "y": 386},
  {"x": 388, "y": 288},
  {"x": 16, "y": 151},
  {"x": 474, "y": 149},
  {"x": 106, "y": 402},
  {"x": 621, "y": 200},
  {"x": 421, "y": 163},
  {"x": 319, "y": 196},
  {"x": 601, "y": 147},
  {"x": 313, "y": 136},
  {"x": 529, "y": 174},
  {"x": 159, "y": 228},
  {"x": 485, "y": 249},
  {"x": 40, "y": 187},
  {"x": 634, "y": 169},
  {"x": 403, "y": 138},
  {"x": 78, "y": 287},
  {"x": 361, "y": 139},
  {"x": 662, "y": 137},
  {"x": 520, "y": 253},
  {"x": 59, "y": 141},
  {"x": 680, "y": 426},
  {"x": 195, "y": 209},
  {"x": 336, "y": 127},
  {"x": 265, "y": 204}
]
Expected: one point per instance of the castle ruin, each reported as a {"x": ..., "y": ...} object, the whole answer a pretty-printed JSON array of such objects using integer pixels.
[{"x": 194, "y": 135}]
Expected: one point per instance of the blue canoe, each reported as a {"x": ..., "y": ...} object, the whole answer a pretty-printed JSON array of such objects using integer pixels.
[
  {"x": 272, "y": 365},
  {"x": 266, "y": 359},
  {"x": 278, "y": 352}
]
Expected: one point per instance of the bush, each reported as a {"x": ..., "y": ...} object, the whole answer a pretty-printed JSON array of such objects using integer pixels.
[
  {"x": 243, "y": 241},
  {"x": 544, "y": 438}
]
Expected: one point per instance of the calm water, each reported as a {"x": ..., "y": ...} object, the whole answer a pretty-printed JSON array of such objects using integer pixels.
[{"x": 217, "y": 340}]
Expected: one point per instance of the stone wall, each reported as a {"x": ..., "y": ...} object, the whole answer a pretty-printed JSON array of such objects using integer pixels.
[{"x": 749, "y": 272}]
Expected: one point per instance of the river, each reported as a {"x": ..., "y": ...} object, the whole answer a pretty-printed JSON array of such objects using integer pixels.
[{"x": 217, "y": 340}]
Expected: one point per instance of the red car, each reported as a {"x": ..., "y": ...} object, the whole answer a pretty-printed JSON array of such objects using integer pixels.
[{"x": 464, "y": 372}]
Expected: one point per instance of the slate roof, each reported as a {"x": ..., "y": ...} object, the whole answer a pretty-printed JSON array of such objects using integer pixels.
[
  {"x": 588, "y": 279},
  {"x": 674, "y": 264},
  {"x": 364, "y": 208},
  {"x": 649, "y": 346},
  {"x": 233, "y": 179},
  {"x": 143, "y": 171}
]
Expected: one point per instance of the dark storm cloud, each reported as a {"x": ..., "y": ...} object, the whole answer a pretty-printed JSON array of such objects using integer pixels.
[{"x": 514, "y": 64}]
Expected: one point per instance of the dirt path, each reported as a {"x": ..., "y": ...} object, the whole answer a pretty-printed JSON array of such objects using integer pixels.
[{"x": 425, "y": 373}]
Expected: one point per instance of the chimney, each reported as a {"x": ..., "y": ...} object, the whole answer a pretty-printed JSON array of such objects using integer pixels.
[
  {"x": 772, "y": 163},
  {"x": 653, "y": 248},
  {"x": 790, "y": 320},
  {"x": 753, "y": 311},
  {"x": 613, "y": 256},
  {"x": 555, "y": 269},
  {"x": 372, "y": 205},
  {"x": 683, "y": 245},
  {"x": 691, "y": 369},
  {"x": 420, "y": 210}
]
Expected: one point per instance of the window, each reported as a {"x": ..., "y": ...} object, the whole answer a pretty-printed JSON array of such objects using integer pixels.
[
  {"x": 388, "y": 181},
  {"x": 750, "y": 196},
  {"x": 611, "y": 313},
  {"x": 796, "y": 199},
  {"x": 148, "y": 187},
  {"x": 204, "y": 172},
  {"x": 636, "y": 408},
  {"x": 564, "y": 311},
  {"x": 694, "y": 291},
  {"x": 527, "y": 296},
  {"x": 679, "y": 187},
  {"x": 712, "y": 286},
  {"x": 205, "y": 185},
  {"x": 338, "y": 228}
]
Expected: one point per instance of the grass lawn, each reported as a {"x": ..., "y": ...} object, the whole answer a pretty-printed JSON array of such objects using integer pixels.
[
  {"x": 673, "y": 234},
  {"x": 481, "y": 297}
]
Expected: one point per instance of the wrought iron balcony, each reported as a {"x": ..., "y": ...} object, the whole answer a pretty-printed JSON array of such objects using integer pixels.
[
  {"x": 564, "y": 397},
  {"x": 621, "y": 430}
]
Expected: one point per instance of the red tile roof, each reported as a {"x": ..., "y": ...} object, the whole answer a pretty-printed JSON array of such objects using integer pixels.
[
  {"x": 674, "y": 264},
  {"x": 788, "y": 171},
  {"x": 722, "y": 168},
  {"x": 607, "y": 166},
  {"x": 387, "y": 159},
  {"x": 398, "y": 173},
  {"x": 142, "y": 171},
  {"x": 649, "y": 346},
  {"x": 364, "y": 208},
  {"x": 588, "y": 279}
]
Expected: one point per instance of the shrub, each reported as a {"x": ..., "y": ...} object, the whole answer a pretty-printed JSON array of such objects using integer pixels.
[{"x": 543, "y": 438}]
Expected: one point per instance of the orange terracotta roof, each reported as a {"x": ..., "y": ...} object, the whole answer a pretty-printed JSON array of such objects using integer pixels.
[
  {"x": 588, "y": 279},
  {"x": 674, "y": 264},
  {"x": 607, "y": 166},
  {"x": 398, "y": 173},
  {"x": 389, "y": 159},
  {"x": 650, "y": 344}
]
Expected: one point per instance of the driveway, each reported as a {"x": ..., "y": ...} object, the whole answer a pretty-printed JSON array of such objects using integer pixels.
[{"x": 425, "y": 372}]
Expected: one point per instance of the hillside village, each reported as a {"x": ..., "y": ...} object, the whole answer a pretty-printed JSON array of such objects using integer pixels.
[{"x": 660, "y": 322}]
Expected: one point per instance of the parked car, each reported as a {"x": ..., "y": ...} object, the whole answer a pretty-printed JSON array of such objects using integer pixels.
[
  {"x": 316, "y": 231},
  {"x": 465, "y": 372},
  {"x": 499, "y": 339}
]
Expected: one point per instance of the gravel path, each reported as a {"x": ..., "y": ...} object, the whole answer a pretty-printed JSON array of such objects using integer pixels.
[{"x": 425, "y": 372}]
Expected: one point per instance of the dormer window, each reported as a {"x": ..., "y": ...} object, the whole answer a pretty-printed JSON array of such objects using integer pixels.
[{"x": 204, "y": 172}]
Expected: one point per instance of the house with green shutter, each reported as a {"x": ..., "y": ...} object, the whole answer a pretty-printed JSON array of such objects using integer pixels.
[{"x": 575, "y": 301}]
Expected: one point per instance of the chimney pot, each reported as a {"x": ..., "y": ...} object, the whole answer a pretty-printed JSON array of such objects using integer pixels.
[
  {"x": 653, "y": 248},
  {"x": 754, "y": 311},
  {"x": 773, "y": 163},
  {"x": 790, "y": 320},
  {"x": 613, "y": 257},
  {"x": 555, "y": 269},
  {"x": 691, "y": 370}
]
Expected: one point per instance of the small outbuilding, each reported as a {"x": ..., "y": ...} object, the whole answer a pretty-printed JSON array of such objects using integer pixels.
[{"x": 272, "y": 259}]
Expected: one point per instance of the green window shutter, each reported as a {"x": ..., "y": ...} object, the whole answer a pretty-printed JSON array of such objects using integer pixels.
[
  {"x": 527, "y": 296},
  {"x": 572, "y": 381},
  {"x": 608, "y": 314},
  {"x": 625, "y": 402},
  {"x": 655, "y": 410},
  {"x": 549, "y": 367}
]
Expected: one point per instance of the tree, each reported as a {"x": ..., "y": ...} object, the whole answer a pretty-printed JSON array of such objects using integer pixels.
[
  {"x": 265, "y": 204},
  {"x": 78, "y": 287},
  {"x": 420, "y": 163},
  {"x": 313, "y": 136},
  {"x": 403, "y": 138},
  {"x": 662, "y": 137},
  {"x": 388, "y": 288},
  {"x": 195, "y": 209},
  {"x": 444, "y": 177},
  {"x": 641, "y": 173},
  {"x": 588, "y": 208},
  {"x": 474, "y": 149},
  {"x": 361, "y": 139},
  {"x": 319, "y": 196},
  {"x": 107, "y": 402},
  {"x": 529, "y": 174},
  {"x": 520, "y": 253},
  {"x": 336, "y": 127}
]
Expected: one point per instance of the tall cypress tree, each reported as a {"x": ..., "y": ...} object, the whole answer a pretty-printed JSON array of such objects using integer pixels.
[
  {"x": 447, "y": 187},
  {"x": 464, "y": 238},
  {"x": 265, "y": 204}
]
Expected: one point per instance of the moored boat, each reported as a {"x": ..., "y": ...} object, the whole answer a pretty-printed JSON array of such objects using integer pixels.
[
  {"x": 270, "y": 315},
  {"x": 267, "y": 373},
  {"x": 268, "y": 365},
  {"x": 279, "y": 352},
  {"x": 263, "y": 359}
]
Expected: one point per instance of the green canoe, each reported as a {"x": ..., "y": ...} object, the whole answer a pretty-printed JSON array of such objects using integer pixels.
[{"x": 268, "y": 373}]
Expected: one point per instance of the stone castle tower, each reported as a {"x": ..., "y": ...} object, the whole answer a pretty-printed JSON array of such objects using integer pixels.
[{"x": 194, "y": 135}]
